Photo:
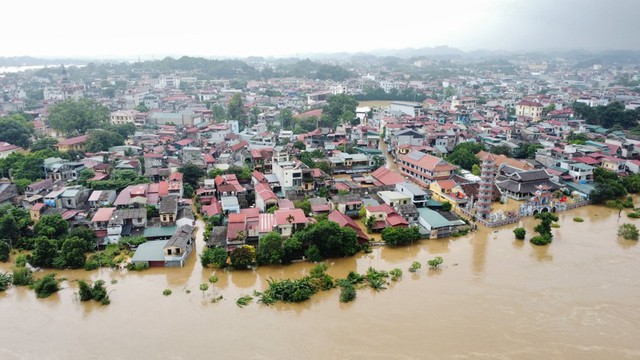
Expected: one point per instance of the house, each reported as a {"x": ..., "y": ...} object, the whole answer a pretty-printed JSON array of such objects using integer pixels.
[
  {"x": 7, "y": 149},
  {"x": 101, "y": 220},
  {"x": 175, "y": 184},
  {"x": 384, "y": 176},
  {"x": 38, "y": 188},
  {"x": 410, "y": 213},
  {"x": 74, "y": 197},
  {"x": 383, "y": 216},
  {"x": 288, "y": 172},
  {"x": 131, "y": 219},
  {"x": 437, "y": 224},
  {"x": 36, "y": 211},
  {"x": 168, "y": 210},
  {"x": 424, "y": 168},
  {"x": 77, "y": 143},
  {"x": 394, "y": 198},
  {"x": 346, "y": 221},
  {"x": 530, "y": 109},
  {"x": 236, "y": 230},
  {"x": 289, "y": 221},
  {"x": 230, "y": 204},
  {"x": 173, "y": 252},
  {"x": 348, "y": 204},
  {"x": 265, "y": 197},
  {"x": 320, "y": 206},
  {"x": 99, "y": 198},
  {"x": 448, "y": 190},
  {"x": 418, "y": 196},
  {"x": 520, "y": 185},
  {"x": 8, "y": 192}
]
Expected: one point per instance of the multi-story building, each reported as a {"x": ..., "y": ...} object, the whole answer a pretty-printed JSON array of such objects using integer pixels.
[
  {"x": 530, "y": 109},
  {"x": 288, "y": 172},
  {"x": 424, "y": 168}
]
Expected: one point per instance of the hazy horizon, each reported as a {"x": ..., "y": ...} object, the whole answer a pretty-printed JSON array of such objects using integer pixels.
[{"x": 283, "y": 28}]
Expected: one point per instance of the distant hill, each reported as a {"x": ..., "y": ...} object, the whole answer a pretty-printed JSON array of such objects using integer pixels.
[{"x": 32, "y": 61}]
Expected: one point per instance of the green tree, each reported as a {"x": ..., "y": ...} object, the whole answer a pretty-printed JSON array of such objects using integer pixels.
[
  {"x": 616, "y": 204},
  {"x": 84, "y": 291},
  {"x": 285, "y": 117},
  {"x": 400, "y": 236},
  {"x": 446, "y": 206},
  {"x": 628, "y": 231},
  {"x": 52, "y": 226},
  {"x": 475, "y": 169},
  {"x": 84, "y": 176},
  {"x": 270, "y": 249},
  {"x": 72, "y": 252},
  {"x": 77, "y": 117},
  {"x": 435, "y": 262},
  {"x": 87, "y": 235},
  {"x": 22, "y": 276},
  {"x": 191, "y": 174},
  {"x": 45, "y": 251},
  {"x": 291, "y": 250},
  {"x": 142, "y": 108},
  {"x": 243, "y": 256},
  {"x": 236, "y": 109},
  {"x": 5, "y": 281},
  {"x": 9, "y": 228},
  {"x": 331, "y": 240},
  {"x": 304, "y": 205},
  {"x": 5, "y": 250},
  {"x": 464, "y": 156},
  {"x": 204, "y": 287},
  {"x": 214, "y": 256},
  {"x": 340, "y": 108},
  {"x": 46, "y": 286},
  {"x": 102, "y": 140},
  {"x": 520, "y": 233},
  {"x": 16, "y": 130}
]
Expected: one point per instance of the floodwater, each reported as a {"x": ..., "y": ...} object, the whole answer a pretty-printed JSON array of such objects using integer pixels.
[{"x": 494, "y": 298}]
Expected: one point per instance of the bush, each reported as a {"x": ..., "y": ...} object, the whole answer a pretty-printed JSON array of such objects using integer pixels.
[
  {"x": 98, "y": 292},
  {"x": 46, "y": 286},
  {"x": 395, "y": 274},
  {"x": 628, "y": 231},
  {"x": 21, "y": 260},
  {"x": 541, "y": 240},
  {"x": 166, "y": 292},
  {"x": 137, "y": 267},
  {"x": 578, "y": 219},
  {"x": 555, "y": 225},
  {"x": 216, "y": 256},
  {"x": 520, "y": 233},
  {"x": 91, "y": 265},
  {"x": 5, "y": 281},
  {"x": 634, "y": 215},
  {"x": 22, "y": 276},
  {"x": 435, "y": 262},
  {"x": 313, "y": 254},
  {"x": 415, "y": 266},
  {"x": 347, "y": 292},
  {"x": 5, "y": 249}
]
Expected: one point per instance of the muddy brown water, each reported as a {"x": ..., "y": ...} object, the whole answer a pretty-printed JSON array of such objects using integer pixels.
[{"x": 494, "y": 298}]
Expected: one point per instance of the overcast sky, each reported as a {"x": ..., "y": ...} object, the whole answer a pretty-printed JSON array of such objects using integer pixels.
[{"x": 131, "y": 28}]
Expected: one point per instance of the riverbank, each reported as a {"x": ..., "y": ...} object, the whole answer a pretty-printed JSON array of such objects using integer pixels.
[{"x": 495, "y": 297}]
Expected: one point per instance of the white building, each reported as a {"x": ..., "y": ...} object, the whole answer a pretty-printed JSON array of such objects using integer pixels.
[{"x": 289, "y": 173}]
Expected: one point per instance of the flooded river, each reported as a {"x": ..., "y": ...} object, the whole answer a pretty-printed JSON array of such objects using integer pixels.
[{"x": 495, "y": 298}]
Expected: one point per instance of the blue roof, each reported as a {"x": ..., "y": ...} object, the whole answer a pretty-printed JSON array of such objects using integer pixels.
[{"x": 150, "y": 251}]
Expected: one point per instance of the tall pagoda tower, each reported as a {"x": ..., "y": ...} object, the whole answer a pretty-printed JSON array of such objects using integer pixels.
[{"x": 485, "y": 194}]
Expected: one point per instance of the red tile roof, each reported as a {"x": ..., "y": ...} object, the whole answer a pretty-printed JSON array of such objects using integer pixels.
[
  {"x": 74, "y": 140},
  {"x": 298, "y": 216}
]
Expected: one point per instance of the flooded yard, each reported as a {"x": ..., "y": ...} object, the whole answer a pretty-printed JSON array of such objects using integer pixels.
[{"x": 494, "y": 298}]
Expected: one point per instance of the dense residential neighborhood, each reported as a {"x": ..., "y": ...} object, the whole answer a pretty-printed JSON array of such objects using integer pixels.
[{"x": 131, "y": 153}]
